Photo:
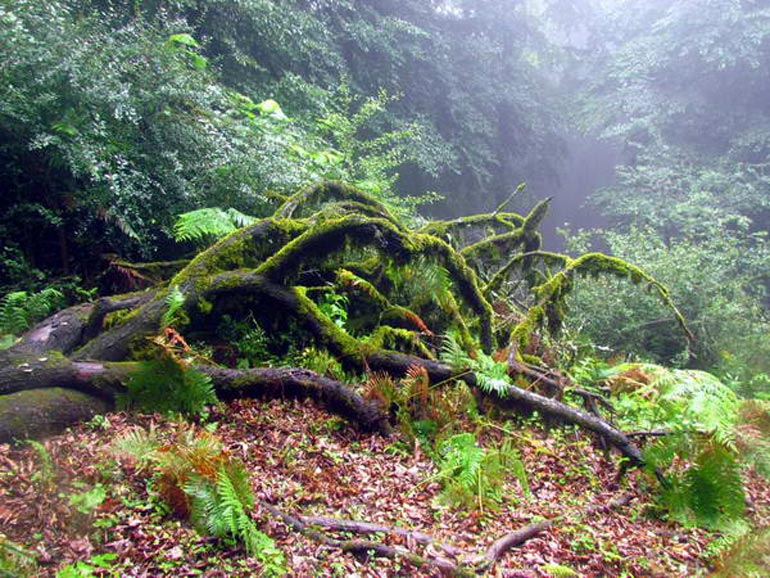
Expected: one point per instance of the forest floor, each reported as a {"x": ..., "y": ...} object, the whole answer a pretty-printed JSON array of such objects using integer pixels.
[{"x": 74, "y": 501}]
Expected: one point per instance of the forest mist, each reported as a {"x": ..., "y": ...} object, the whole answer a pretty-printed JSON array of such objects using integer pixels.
[{"x": 324, "y": 287}]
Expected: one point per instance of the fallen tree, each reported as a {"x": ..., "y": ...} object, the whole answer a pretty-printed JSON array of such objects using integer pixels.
[{"x": 403, "y": 286}]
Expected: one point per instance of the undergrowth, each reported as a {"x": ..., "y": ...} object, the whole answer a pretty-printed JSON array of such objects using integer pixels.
[
  {"x": 473, "y": 476},
  {"x": 20, "y": 309},
  {"x": 197, "y": 479},
  {"x": 707, "y": 435},
  {"x": 168, "y": 385}
]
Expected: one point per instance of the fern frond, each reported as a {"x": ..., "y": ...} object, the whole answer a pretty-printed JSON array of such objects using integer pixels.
[
  {"x": 240, "y": 219},
  {"x": 174, "y": 303},
  {"x": 19, "y": 309},
  {"x": 510, "y": 459},
  {"x": 453, "y": 354},
  {"x": 209, "y": 223},
  {"x": 715, "y": 487},
  {"x": 136, "y": 444},
  {"x": 167, "y": 386}
]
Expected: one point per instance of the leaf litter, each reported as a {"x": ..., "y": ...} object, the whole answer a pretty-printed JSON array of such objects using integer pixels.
[{"x": 306, "y": 463}]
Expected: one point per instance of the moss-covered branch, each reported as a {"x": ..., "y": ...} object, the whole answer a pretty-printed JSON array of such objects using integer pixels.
[
  {"x": 551, "y": 295},
  {"x": 312, "y": 197}
]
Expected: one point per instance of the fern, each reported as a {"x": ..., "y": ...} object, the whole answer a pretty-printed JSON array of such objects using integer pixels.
[
  {"x": 137, "y": 445},
  {"x": 491, "y": 376},
  {"x": 197, "y": 478},
  {"x": 453, "y": 354},
  {"x": 46, "y": 477},
  {"x": 208, "y": 224},
  {"x": 715, "y": 488},
  {"x": 700, "y": 455},
  {"x": 174, "y": 308},
  {"x": 19, "y": 310},
  {"x": 168, "y": 386},
  {"x": 747, "y": 556},
  {"x": 510, "y": 459},
  {"x": 460, "y": 468},
  {"x": 221, "y": 509},
  {"x": 473, "y": 476},
  {"x": 730, "y": 536}
]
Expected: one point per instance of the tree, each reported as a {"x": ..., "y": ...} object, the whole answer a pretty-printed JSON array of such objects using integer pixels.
[
  {"x": 678, "y": 87},
  {"x": 277, "y": 270}
]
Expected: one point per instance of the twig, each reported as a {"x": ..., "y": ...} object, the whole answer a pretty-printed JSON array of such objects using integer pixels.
[
  {"x": 367, "y": 547},
  {"x": 652, "y": 433},
  {"x": 510, "y": 540},
  {"x": 502, "y": 205},
  {"x": 479, "y": 563},
  {"x": 370, "y": 528},
  {"x": 518, "y": 537}
]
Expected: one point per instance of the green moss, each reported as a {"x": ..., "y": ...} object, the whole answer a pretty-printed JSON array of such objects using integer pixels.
[
  {"x": 523, "y": 261},
  {"x": 117, "y": 318},
  {"x": 350, "y": 281},
  {"x": 399, "y": 339},
  {"x": 205, "y": 306},
  {"x": 551, "y": 295},
  {"x": 157, "y": 271},
  {"x": 325, "y": 238},
  {"x": 498, "y": 222},
  {"x": 523, "y": 330},
  {"x": 244, "y": 248},
  {"x": 491, "y": 248},
  {"x": 535, "y": 217},
  {"x": 466, "y": 281},
  {"x": 313, "y": 196},
  {"x": 330, "y": 335}
]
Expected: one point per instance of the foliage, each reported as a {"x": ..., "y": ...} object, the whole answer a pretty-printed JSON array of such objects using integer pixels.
[
  {"x": 87, "y": 501},
  {"x": 136, "y": 445},
  {"x": 15, "y": 562},
  {"x": 473, "y": 476},
  {"x": 699, "y": 453},
  {"x": 46, "y": 476},
  {"x": 222, "y": 509},
  {"x": 249, "y": 339},
  {"x": 333, "y": 305},
  {"x": 711, "y": 277},
  {"x": 112, "y": 122},
  {"x": 559, "y": 571},
  {"x": 197, "y": 478},
  {"x": 465, "y": 132},
  {"x": 320, "y": 361},
  {"x": 422, "y": 413},
  {"x": 168, "y": 385},
  {"x": 747, "y": 555},
  {"x": 203, "y": 224},
  {"x": 19, "y": 309},
  {"x": 689, "y": 200},
  {"x": 174, "y": 314},
  {"x": 97, "y": 565},
  {"x": 491, "y": 376}
]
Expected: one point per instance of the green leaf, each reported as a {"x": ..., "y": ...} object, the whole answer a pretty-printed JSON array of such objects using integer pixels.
[
  {"x": 184, "y": 40},
  {"x": 272, "y": 109},
  {"x": 199, "y": 62}
]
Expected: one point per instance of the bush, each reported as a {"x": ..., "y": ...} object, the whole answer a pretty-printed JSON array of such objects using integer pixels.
[{"x": 715, "y": 280}]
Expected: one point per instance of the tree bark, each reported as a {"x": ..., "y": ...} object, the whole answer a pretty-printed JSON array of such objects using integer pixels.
[
  {"x": 97, "y": 383},
  {"x": 41, "y": 412}
]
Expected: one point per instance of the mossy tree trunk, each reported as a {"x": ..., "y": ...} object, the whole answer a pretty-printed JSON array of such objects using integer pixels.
[{"x": 326, "y": 238}]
